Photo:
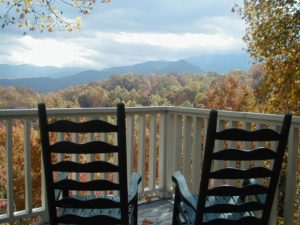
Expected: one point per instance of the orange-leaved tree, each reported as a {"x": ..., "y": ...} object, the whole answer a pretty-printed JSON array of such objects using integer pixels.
[
  {"x": 273, "y": 39},
  {"x": 232, "y": 92}
]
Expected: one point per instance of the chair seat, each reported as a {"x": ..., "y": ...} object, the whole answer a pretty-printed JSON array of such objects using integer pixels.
[
  {"x": 232, "y": 200},
  {"x": 86, "y": 214},
  {"x": 213, "y": 200}
]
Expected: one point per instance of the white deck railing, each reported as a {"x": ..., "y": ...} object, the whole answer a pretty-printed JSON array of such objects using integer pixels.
[{"x": 167, "y": 138}]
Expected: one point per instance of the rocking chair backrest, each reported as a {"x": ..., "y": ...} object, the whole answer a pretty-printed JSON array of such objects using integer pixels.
[
  {"x": 250, "y": 189},
  {"x": 63, "y": 174}
]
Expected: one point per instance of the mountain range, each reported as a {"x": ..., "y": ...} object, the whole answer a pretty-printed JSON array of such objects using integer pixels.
[
  {"x": 221, "y": 63},
  {"x": 46, "y": 79},
  {"x": 30, "y": 71}
]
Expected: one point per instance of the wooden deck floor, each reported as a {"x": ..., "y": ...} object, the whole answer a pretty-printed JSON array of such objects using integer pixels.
[{"x": 155, "y": 213}]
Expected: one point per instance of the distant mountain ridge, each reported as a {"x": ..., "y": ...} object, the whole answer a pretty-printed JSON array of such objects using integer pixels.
[
  {"x": 46, "y": 79},
  {"x": 30, "y": 71},
  {"x": 181, "y": 66},
  {"x": 222, "y": 63},
  {"x": 47, "y": 84}
]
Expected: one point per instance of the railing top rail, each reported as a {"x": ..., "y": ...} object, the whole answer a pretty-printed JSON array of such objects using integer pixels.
[
  {"x": 21, "y": 113},
  {"x": 232, "y": 115}
]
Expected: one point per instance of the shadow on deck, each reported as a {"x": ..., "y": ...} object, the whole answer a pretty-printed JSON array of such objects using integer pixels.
[{"x": 155, "y": 213}]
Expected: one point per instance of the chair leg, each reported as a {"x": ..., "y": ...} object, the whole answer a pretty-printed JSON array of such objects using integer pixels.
[
  {"x": 135, "y": 212},
  {"x": 175, "y": 219}
]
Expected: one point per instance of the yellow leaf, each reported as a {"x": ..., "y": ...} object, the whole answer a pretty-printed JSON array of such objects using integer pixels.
[
  {"x": 43, "y": 18},
  {"x": 28, "y": 3},
  {"x": 68, "y": 27},
  {"x": 78, "y": 21},
  {"x": 75, "y": 3}
]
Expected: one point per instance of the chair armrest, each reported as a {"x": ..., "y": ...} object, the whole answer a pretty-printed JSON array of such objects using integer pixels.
[
  {"x": 133, "y": 189},
  {"x": 260, "y": 198},
  {"x": 184, "y": 192}
]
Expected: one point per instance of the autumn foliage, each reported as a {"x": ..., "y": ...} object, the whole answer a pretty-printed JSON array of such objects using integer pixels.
[
  {"x": 273, "y": 39},
  {"x": 18, "y": 163}
]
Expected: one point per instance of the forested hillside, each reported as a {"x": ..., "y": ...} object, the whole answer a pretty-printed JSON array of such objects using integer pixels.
[
  {"x": 232, "y": 92},
  {"x": 235, "y": 91}
]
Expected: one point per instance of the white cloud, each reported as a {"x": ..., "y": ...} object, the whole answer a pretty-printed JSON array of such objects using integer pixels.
[
  {"x": 193, "y": 41},
  {"x": 48, "y": 51},
  {"x": 106, "y": 49},
  {"x": 221, "y": 24}
]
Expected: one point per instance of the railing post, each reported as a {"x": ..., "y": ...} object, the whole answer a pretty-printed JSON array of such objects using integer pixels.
[{"x": 291, "y": 176}]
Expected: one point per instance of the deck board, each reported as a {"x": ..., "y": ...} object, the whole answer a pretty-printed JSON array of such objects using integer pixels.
[{"x": 155, "y": 213}]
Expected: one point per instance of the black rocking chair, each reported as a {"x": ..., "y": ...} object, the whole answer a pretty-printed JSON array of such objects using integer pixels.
[
  {"x": 82, "y": 188},
  {"x": 233, "y": 195}
]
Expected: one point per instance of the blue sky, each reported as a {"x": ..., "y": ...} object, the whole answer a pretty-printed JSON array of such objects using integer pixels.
[{"x": 126, "y": 32}]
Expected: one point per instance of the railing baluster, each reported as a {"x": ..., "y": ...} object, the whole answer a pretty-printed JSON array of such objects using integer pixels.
[
  {"x": 273, "y": 214},
  {"x": 10, "y": 179},
  {"x": 259, "y": 163},
  {"x": 233, "y": 144},
  {"x": 187, "y": 147},
  {"x": 130, "y": 144},
  {"x": 178, "y": 142},
  {"x": 246, "y": 144},
  {"x": 170, "y": 168},
  {"x": 196, "y": 154},
  {"x": 27, "y": 167},
  {"x": 162, "y": 151},
  {"x": 104, "y": 157},
  {"x": 152, "y": 153},
  {"x": 141, "y": 148},
  {"x": 75, "y": 157},
  {"x": 219, "y": 145},
  {"x": 89, "y": 157},
  {"x": 45, "y": 218},
  {"x": 116, "y": 160}
]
